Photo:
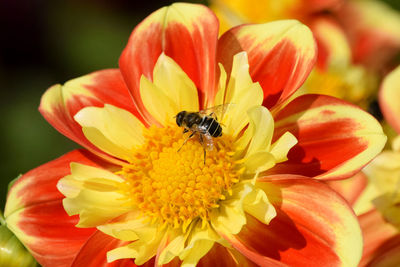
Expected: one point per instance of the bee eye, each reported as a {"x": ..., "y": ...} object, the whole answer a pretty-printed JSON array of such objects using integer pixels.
[
  {"x": 178, "y": 121},
  {"x": 179, "y": 118}
]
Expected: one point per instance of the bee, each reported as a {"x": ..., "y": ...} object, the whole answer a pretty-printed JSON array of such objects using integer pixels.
[{"x": 204, "y": 123}]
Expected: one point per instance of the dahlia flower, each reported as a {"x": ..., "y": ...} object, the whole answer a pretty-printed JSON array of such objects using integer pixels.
[
  {"x": 381, "y": 224},
  {"x": 375, "y": 192},
  {"x": 141, "y": 192},
  {"x": 373, "y": 30},
  {"x": 356, "y": 40}
]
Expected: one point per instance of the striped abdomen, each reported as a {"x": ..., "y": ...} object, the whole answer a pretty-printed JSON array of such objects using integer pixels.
[{"x": 210, "y": 126}]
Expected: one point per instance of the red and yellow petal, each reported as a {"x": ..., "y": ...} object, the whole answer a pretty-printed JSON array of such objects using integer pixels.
[
  {"x": 94, "y": 252},
  {"x": 389, "y": 97},
  {"x": 335, "y": 139},
  {"x": 61, "y": 102},
  {"x": 188, "y": 34},
  {"x": 380, "y": 239},
  {"x": 224, "y": 257},
  {"x": 35, "y": 214},
  {"x": 373, "y": 28},
  {"x": 333, "y": 47},
  {"x": 313, "y": 224},
  {"x": 352, "y": 188},
  {"x": 281, "y": 54}
]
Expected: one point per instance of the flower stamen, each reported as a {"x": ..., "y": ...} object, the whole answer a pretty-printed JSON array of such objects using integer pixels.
[{"x": 175, "y": 187}]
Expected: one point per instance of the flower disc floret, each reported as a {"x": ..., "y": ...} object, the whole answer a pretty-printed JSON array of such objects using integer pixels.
[{"x": 170, "y": 182}]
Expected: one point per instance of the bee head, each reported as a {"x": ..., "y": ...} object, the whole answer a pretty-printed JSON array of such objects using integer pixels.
[{"x": 179, "y": 118}]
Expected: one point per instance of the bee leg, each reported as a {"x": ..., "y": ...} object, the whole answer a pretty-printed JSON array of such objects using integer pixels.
[
  {"x": 185, "y": 130},
  {"x": 184, "y": 142},
  {"x": 204, "y": 148}
]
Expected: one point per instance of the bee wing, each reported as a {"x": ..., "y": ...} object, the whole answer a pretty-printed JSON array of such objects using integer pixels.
[
  {"x": 198, "y": 128},
  {"x": 217, "y": 111}
]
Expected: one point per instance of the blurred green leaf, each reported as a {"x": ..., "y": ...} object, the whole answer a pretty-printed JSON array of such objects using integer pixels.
[{"x": 12, "y": 252}]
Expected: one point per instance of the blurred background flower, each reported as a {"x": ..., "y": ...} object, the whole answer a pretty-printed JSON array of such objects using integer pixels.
[
  {"x": 374, "y": 193},
  {"x": 357, "y": 40}
]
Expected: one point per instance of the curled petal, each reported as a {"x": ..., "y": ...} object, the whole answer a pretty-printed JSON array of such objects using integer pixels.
[
  {"x": 199, "y": 249},
  {"x": 257, "y": 205},
  {"x": 312, "y": 222},
  {"x": 281, "y": 147},
  {"x": 230, "y": 217},
  {"x": 262, "y": 127},
  {"x": 35, "y": 214},
  {"x": 389, "y": 97},
  {"x": 141, "y": 251},
  {"x": 176, "y": 84},
  {"x": 256, "y": 140},
  {"x": 219, "y": 256},
  {"x": 281, "y": 55},
  {"x": 93, "y": 252},
  {"x": 94, "y": 194},
  {"x": 241, "y": 92},
  {"x": 113, "y": 130},
  {"x": 129, "y": 227},
  {"x": 60, "y": 103},
  {"x": 335, "y": 138},
  {"x": 159, "y": 106},
  {"x": 171, "y": 246},
  {"x": 185, "y": 32},
  {"x": 171, "y": 92}
]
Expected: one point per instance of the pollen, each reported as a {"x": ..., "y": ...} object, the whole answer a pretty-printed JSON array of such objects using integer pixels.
[{"x": 171, "y": 183}]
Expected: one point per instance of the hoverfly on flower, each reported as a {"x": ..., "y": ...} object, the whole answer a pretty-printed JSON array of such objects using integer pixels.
[{"x": 204, "y": 123}]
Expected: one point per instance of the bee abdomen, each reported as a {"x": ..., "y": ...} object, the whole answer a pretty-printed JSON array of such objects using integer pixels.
[{"x": 213, "y": 127}]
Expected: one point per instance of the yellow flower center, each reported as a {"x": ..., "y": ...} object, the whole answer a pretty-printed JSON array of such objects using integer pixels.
[{"x": 175, "y": 187}]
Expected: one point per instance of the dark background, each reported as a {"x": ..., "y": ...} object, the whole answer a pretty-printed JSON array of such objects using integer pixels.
[{"x": 47, "y": 42}]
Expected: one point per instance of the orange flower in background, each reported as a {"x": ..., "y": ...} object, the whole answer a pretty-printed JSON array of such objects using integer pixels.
[
  {"x": 375, "y": 193},
  {"x": 356, "y": 40},
  {"x": 381, "y": 225},
  {"x": 143, "y": 192},
  {"x": 373, "y": 30}
]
